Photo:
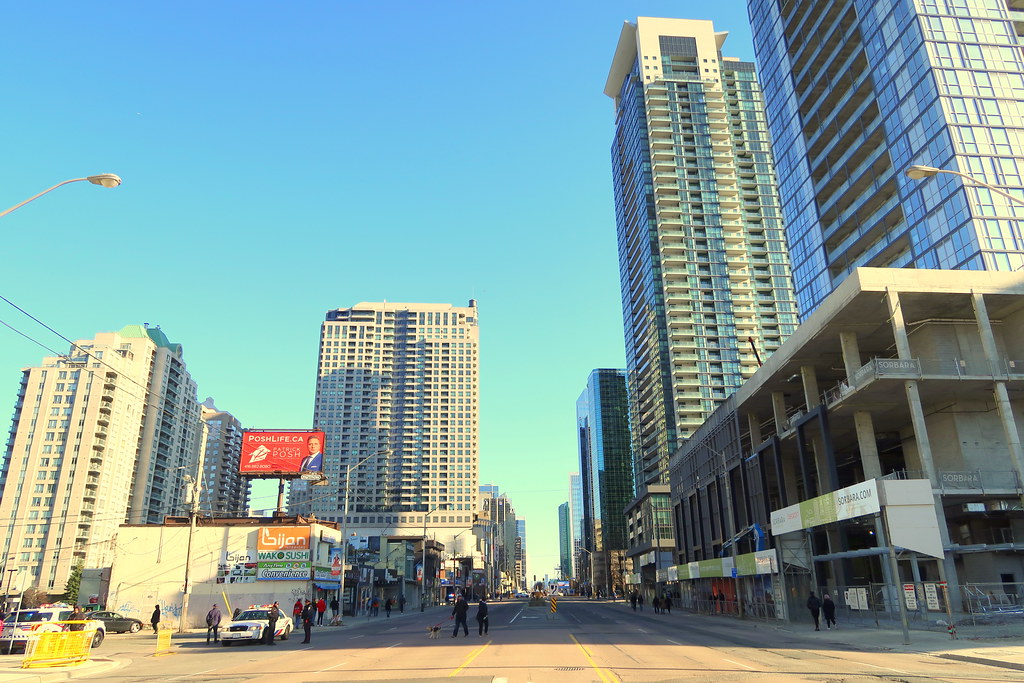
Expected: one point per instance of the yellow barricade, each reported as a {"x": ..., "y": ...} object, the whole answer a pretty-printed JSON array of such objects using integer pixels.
[
  {"x": 554, "y": 604},
  {"x": 58, "y": 648},
  {"x": 163, "y": 642}
]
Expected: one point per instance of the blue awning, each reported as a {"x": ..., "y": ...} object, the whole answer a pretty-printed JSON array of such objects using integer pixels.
[{"x": 327, "y": 585}]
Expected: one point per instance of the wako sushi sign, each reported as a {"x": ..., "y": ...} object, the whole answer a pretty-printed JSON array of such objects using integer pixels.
[{"x": 282, "y": 554}]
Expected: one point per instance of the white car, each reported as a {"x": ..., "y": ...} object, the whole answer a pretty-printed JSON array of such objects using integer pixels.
[
  {"x": 252, "y": 626},
  {"x": 20, "y": 625}
]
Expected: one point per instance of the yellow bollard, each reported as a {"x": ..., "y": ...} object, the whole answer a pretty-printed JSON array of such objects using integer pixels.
[
  {"x": 163, "y": 642},
  {"x": 554, "y": 604}
]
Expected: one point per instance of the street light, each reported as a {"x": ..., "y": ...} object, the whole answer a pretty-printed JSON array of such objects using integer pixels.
[
  {"x": 922, "y": 172},
  {"x": 103, "y": 179},
  {"x": 423, "y": 571},
  {"x": 590, "y": 578},
  {"x": 344, "y": 536}
]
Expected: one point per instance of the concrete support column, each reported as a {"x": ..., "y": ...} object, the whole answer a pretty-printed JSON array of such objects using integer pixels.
[
  {"x": 867, "y": 444},
  {"x": 810, "y": 381},
  {"x": 754, "y": 425},
  {"x": 851, "y": 352},
  {"x": 899, "y": 330},
  {"x": 779, "y": 410},
  {"x": 988, "y": 344}
]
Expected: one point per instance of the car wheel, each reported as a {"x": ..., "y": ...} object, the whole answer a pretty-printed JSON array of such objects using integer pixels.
[
  {"x": 267, "y": 635},
  {"x": 285, "y": 633},
  {"x": 97, "y": 639},
  {"x": 135, "y": 628}
]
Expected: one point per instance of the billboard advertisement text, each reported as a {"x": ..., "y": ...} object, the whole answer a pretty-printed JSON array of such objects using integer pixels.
[{"x": 277, "y": 453}]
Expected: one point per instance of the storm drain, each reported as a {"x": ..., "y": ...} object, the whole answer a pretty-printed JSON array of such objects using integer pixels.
[{"x": 569, "y": 668}]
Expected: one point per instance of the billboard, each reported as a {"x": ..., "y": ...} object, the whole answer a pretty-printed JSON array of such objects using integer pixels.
[{"x": 280, "y": 453}]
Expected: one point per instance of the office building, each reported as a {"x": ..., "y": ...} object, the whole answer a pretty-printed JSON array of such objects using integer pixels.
[
  {"x": 101, "y": 436},
  {"x": 602, "y": 424},
  {"x": 893, "y": 412},
  {"x": 705, "y": 281},
  {"x": 858, "y": 92},
  {"x": 521, "y": 554},
  {"x": 397, "y": 398},
  {"x": 224, "y": 492},
  {"x": 564, "y": 542},
  {"x": 580, "y": 560}
]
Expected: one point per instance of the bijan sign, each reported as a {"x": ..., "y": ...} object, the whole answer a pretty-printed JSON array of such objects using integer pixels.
[{"x": 283, "y": 554}]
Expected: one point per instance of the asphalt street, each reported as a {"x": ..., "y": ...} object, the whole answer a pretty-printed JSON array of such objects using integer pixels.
[{"x": 583, "y": 641}]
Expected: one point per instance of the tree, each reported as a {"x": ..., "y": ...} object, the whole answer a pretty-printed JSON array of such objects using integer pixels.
[
  {"x": 33, "y": 597},
  {"x": 73, "y": 585}
]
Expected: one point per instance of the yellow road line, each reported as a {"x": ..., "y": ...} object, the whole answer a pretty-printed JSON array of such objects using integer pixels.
[
  {"x": 606, "y": 676},
  {"x": 472, "y": 655}
]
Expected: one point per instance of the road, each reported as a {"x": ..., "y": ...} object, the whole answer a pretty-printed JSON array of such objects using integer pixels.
[{"x": 584, "y": 641}]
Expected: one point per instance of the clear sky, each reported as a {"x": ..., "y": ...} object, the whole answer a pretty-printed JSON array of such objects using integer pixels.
[{"x": 282, "y": 159}]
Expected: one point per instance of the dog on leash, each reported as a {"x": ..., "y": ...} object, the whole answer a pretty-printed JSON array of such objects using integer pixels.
[{"x": 434, "y": 631}]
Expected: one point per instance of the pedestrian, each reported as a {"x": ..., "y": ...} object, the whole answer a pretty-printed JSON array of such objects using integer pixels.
[
  {"x": 321, "y": 607},
  {"x": 656, "y": 604},
  {"x": 234, "y": 615},
  {"x": 632, "y": 600},
  {"x": 666, "y": 604},
  {"x": 387, "y": 607},
  {"x": 155, "y": 619},
  {"x": 77, "y": 615},
  {"x": 401, "y": 603},
  {"x": 297, "y": 613},
  {"x": 828, "y": 608},
  {"x": 375, "y": 606},
  {"x": 334, "y": 610},
  {"x": 640, "y": 601},
  {"x": 460, "y": 611},
  {"x": 308, "y": 615},
  {"x": 213, "y": 624},
  {"x": 814, "y": 606},
  {"x": 273, "y": 614},
  {"x": 481, "y": 617}
]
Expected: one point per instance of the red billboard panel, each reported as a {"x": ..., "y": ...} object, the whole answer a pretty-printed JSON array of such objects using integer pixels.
[{"x": 273, "y": 453}]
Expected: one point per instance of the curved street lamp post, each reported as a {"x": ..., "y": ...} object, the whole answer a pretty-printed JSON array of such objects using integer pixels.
[{"x": 103, "y": 180}]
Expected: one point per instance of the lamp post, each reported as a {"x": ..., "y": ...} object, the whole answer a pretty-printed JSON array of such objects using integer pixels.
[
  {"x": 590, "y": 578},
  {"x": 103, "y": 180},
  {"x": 918, "y": 172},
  {"x": 344, "y": 536},
  {"x": 423, "y": 571}
]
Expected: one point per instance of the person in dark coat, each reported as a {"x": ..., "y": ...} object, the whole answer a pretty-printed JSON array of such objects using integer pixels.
[
  {"x": 334, "y": 610},
  {"x": 632, "y": 600},
  {"x": 401, "y": 603},
  {"x": 155, "y": 619},
  {"x": 212, "y": 624},
  {"x": 459, "y": 612},
  {"x": 481, "y": 617},
  {"x": 828, "y": 609},
  {"x": 273, "y": 614},
  {"x": 308, "y": 617},
  {"x": 814, "y": 607}
]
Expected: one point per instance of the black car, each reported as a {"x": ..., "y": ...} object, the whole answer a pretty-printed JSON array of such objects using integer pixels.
[{"x": 117, "y": 623}]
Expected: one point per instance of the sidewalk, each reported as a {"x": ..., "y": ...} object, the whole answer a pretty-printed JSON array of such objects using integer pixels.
[{"x": 11, "y": 671}]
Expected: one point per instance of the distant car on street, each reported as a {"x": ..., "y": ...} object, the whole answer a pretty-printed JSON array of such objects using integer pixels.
[
  {"x": 522, "y": 594},
  {"x": 117, "y": 623},
  {"x": 251, "y": 625}
]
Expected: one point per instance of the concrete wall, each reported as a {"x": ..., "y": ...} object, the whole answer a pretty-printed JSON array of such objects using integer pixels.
[{"x": 149, "y": 569}]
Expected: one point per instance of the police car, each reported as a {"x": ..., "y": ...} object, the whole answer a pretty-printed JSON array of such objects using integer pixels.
[
  {"x": 251, "y": 625},
  {"x": 20, "y": 625}
]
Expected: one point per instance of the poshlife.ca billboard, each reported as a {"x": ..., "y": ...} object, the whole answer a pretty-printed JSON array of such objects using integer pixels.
[{"x": 281, "y": 453}]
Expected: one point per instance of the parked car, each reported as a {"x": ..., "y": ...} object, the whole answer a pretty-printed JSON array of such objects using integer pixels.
[
  {"x": 117, "y": 623},
  {"x": 251, "y": 625},
  {"x": 21, "y": 624},
  {"x": 522, "y": 594}
]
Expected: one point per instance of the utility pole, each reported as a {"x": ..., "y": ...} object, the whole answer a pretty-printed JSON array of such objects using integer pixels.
[{"x": 194, "y": 488}]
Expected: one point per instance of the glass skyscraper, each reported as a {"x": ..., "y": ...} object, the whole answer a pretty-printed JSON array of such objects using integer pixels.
[
  {"x": 857, "y": 91},
  {"x": 705, "y": 281}
]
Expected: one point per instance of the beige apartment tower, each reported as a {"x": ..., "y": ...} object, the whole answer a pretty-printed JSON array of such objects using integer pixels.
[
  {"x": 397, "y": 386},
  {"x": 101, "y": 436}
]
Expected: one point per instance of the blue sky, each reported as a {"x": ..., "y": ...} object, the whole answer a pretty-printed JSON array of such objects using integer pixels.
[{"x": 283, "y": 159}]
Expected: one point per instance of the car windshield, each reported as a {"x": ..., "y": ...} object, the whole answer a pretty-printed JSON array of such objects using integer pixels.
[{"x": 253, "y": 615}]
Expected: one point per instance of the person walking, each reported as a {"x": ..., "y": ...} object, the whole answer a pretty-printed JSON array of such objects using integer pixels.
[
  {"x": 401, "y": 603},
  {"x": 334, "y": 610},
  {"x": 375, "y": 606},
  {"x": 308, "y": 615},
  {"x": 213, "y": 624},
  {"x": 632, "y": 600},
  {"x": 297, "y": 613},
  {"x": 460, "y": 611},
  {"x": 481, "y": 617},
  {"x": 656, "y": 604},
  {"x": 814, "y": 607},
  {"x": 321, "y": 607},
  {"x": 155, "y": 619},
  {"x": 828, "y": 609},
  {"x": 273, "y": 614},
  {"x": 666, "y": 604},
  {"x": 387, "y": 607},
  {"x": 640, "y": 601}
]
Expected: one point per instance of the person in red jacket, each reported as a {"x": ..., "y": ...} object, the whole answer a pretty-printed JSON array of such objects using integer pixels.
[
  {"x": 297, "y": 613},
  {"x": 321, "y": 607}
]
